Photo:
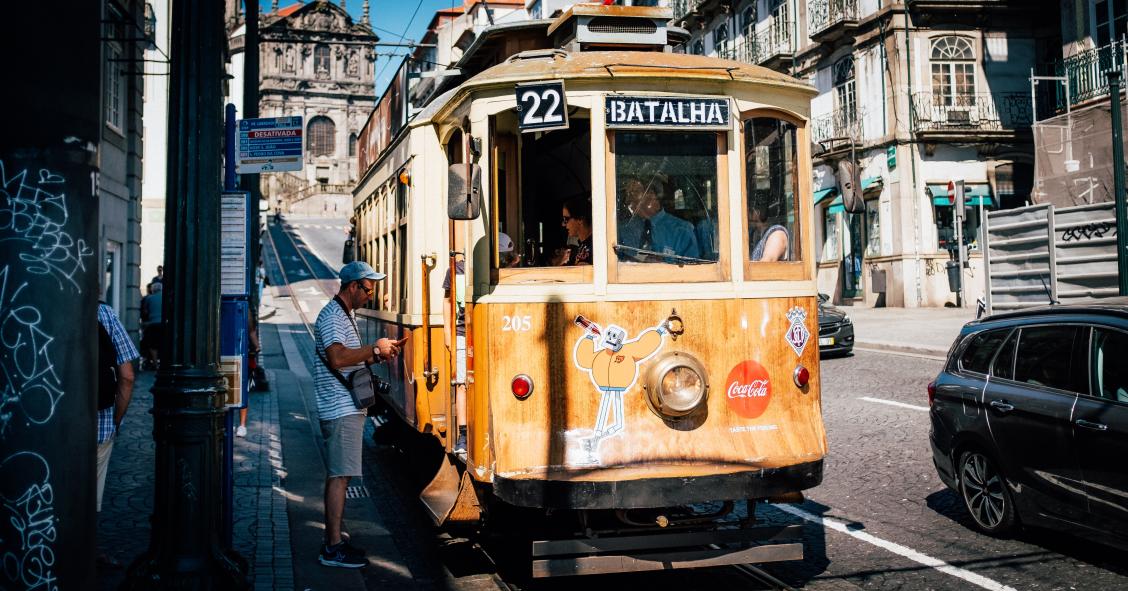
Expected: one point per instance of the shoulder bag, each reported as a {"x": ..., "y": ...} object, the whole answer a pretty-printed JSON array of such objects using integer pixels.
[{"x": 360, "y": 382}]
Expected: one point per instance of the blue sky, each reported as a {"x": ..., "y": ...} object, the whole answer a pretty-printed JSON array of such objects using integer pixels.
[{"x": 392, "y": 20}]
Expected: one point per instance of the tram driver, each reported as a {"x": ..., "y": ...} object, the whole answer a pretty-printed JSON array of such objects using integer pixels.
[{"x": 650, "y": 229}]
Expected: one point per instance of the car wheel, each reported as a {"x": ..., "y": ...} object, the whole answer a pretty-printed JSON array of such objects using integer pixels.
[{"x": 985, "y": 494}]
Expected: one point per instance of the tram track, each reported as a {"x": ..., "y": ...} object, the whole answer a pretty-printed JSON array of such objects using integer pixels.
[{"x": 294, "y": 297}]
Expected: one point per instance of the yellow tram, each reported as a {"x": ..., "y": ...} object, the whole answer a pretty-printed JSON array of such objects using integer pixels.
[{"x": 634, "y": 327}]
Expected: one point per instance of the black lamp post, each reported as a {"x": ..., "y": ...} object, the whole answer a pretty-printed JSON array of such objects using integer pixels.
[
  {"x": 1120, "y": 202},
  {"x": 185, "y": 549}
]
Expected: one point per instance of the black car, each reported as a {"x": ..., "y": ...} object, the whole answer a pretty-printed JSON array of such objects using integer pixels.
[
  {"x": 1030, "y": 419},
  {"x": 836, "y": 332}
]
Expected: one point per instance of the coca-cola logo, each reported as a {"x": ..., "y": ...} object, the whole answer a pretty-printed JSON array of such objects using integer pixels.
[
  {"x": 749, "y": 389},
  {"x": 756, "y": 389}
]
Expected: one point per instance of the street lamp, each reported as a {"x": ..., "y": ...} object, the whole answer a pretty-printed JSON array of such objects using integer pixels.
[{"x": 185, "y": 548}]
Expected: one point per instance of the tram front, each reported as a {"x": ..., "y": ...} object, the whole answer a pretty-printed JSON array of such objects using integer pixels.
[{"x": 641, "y": 294}]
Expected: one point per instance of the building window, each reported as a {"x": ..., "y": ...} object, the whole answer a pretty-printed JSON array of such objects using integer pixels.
[
  {"x": 873, "y": 228},
  {"x": 698, "y": 47},
  {"x": 953, "y": 72},
  {"x": 112, "y": 276},
  {"x": 845, "y": 96},
  {"x": 832, "y": 231},
  {"x": 321, "y": 60},
  {"x": 748, "y": 18},
  {"x": 321, "y": 133},
  {"x": 720, "y": 39},
  {"x": 535, "y": 11},
  {"x": 114, "y": 89},
  {"x": 1119, "y": 18},
  {"x": 352, "y": 144}
]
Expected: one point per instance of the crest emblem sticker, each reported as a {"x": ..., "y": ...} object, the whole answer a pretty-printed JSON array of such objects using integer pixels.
[{"x": 797, "y": 333}]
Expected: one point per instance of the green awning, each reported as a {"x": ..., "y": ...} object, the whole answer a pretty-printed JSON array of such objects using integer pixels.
[
  {"x": 974, "y": 195},
  {"x": 873, "y": 181},
  {"x": 822, "y": 194},
  {"x": 836, "y": 206}
]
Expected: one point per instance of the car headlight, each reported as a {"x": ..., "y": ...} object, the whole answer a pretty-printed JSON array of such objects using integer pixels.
[
  {"x": 846, "y": 319},
  {"x": 676, "y": 385}
]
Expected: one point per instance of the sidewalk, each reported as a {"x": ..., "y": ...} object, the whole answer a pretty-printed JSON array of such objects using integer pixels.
[
  {"x": 260, "y": 530},
  {"x": 920, "y": 331}
]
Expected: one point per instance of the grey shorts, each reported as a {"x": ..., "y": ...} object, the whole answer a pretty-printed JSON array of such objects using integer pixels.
[{"x": 343, "y": 444}]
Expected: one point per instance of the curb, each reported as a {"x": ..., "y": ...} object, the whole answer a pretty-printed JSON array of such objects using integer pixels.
[{"x": 923, "y": 350}]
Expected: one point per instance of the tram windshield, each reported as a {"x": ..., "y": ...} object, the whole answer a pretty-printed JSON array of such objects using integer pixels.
[{"x": 666, "y": 201}]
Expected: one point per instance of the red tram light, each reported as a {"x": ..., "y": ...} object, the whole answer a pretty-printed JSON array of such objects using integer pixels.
[
  {"x": 522, "y": 386},
  {"x": 802, "y": 376}
]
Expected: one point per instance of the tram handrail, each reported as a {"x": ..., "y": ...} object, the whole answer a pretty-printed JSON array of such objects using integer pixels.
[{"x": 430, "y": 374}]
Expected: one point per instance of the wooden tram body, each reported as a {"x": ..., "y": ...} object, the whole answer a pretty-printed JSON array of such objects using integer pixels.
[{"x": 747, "y": 329}]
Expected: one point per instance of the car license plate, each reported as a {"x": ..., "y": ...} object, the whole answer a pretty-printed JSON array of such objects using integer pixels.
[{"x": 826, "y": 341}]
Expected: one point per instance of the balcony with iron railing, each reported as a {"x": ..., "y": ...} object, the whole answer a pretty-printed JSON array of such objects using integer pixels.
[
  {"x": 961, "y": 5},
  {"x": 774, "y": 44},
  {"x": 742, "y": 49},
  {"x": 684, "y": 8},
  {"x": 971, "y": 116},
  {"x": 831, "y": 19},
  {"x": 840, "y": 124},
  {"x": 1085, "y": 79}
]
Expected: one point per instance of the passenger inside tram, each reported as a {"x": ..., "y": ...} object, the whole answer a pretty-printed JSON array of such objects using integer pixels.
[
  {"x": 667, "y": 197},
  {"x": 770, "y": 242},
  {"x": 543, "y": 181},
  {"x": 649, "y": 231},
  {"x": 576, "y": 219}
]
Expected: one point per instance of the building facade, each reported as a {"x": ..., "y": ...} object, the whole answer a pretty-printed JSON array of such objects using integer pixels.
[
  {"x": 125, "y": 38},
  {"x": 915, "y": 94},
  {"x": 317, "y": 62}
]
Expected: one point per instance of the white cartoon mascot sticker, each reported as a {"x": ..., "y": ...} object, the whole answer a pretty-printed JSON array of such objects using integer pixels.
[{"x": 611, "y": 362}]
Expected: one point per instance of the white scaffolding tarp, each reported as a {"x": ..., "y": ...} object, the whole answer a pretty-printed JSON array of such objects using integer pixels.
[{"x": 1073, "y": 157}]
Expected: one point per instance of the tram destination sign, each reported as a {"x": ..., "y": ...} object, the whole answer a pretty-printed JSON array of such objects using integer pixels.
[
  {"x": 272, "y": 144},
  {"x": 667, "y": 112},
  {"x": 541, "y": 106}
]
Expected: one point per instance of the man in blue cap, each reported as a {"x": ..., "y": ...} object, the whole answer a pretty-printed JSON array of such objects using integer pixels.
[{"x": 338, "y": 346}]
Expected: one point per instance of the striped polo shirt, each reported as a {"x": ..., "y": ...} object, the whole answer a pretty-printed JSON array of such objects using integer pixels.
[{"x": 334, "y": 326}]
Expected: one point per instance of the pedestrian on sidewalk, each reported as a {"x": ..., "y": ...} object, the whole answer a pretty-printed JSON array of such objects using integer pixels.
[
  {"x": 338, "y": 347},
  {"x": 116, "y": 354},
  {"x": 151, "y": 324}
]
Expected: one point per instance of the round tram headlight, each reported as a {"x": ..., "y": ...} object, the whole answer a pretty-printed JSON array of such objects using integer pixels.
[{"x": 676, "y": 385}]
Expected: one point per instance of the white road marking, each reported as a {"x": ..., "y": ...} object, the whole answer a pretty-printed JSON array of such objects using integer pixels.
[
  {"x": 893, "y": 403},
  {"x": 904, "y": 551}
]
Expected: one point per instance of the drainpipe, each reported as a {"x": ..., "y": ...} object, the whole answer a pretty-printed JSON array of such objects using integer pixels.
[{"x": 912, "y": 158}]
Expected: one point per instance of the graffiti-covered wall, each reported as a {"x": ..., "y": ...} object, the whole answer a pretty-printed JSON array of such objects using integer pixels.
[{"x": 48, "y": 292}]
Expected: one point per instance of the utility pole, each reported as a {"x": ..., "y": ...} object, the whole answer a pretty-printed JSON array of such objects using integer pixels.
[
  {"x": 185, "y": 550},
  {"x": 1118, "y": 160}
]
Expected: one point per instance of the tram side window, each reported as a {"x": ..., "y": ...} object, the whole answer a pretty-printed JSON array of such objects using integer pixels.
[
  {"x": 666, "y": 198},
  {"x": 543, "y": 182},
  {"x": 771, "y": 182}
]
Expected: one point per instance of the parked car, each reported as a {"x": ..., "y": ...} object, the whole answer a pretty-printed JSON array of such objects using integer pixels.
[
  {"x": 836, "y": 331},
  {"x": 1030, "y": 419}
]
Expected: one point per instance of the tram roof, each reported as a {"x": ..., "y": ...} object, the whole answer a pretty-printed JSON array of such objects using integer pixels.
[{"x": 555, "y": 64}]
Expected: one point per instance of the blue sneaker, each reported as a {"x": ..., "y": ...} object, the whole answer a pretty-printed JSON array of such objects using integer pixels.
[{"x": 339, "y": 555}]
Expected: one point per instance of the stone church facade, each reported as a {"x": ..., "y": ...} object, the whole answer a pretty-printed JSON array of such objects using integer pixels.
[{"x": 317, "y": 62}]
